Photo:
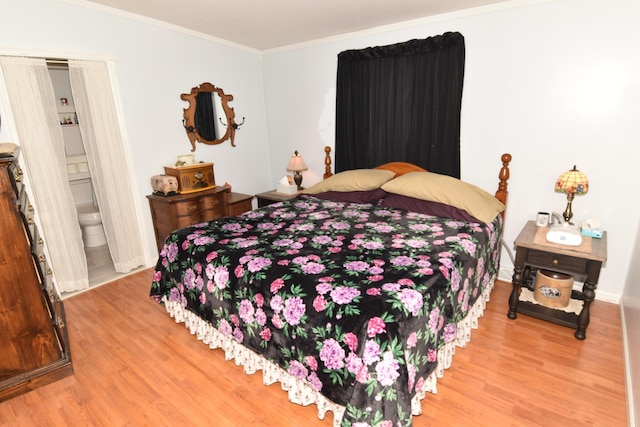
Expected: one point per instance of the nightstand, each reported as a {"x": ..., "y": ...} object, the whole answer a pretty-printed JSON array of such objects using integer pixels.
[
  {"x": 531, "y": 254},
  {"x": 271, "y": 197}
]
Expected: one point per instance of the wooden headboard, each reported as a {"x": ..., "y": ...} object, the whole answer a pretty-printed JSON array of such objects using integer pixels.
[{"x": 401, "y": 168}]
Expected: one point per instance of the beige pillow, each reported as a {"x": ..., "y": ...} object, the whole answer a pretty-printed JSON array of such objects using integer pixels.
[
  {"x": 352, "y": 180},
  {"x": 445, "y": 189}
]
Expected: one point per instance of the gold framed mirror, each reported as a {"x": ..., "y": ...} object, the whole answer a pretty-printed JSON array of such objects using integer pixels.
[{"x": 202, "y": 119}]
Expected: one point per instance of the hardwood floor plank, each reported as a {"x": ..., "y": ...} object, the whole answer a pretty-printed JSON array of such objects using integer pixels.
[{"x": 134, "y": 366}]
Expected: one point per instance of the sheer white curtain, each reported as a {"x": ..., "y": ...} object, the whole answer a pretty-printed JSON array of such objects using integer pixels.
[
  {"x": 33, "y": 105},
  {"x": 102, "y": 139}
]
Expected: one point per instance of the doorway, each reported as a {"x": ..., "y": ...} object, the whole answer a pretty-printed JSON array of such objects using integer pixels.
[
  {"x": 100, "y": 266},
  {"x": 35, "y": 126}
]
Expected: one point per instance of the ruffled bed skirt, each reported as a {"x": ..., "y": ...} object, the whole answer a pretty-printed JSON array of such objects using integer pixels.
[{"x": 301, "y": 393}]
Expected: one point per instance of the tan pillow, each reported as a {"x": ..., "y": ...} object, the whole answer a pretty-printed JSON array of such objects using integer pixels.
[
  {"x": 445, "y": 189},
  {"x": 352, "y": 180}
]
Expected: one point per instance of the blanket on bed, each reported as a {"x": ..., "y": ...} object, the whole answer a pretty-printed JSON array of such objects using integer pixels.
[{"x": 354, "y": 299}]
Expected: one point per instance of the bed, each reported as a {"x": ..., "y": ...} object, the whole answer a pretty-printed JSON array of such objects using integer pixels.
[{"x": 352, "y": 295}]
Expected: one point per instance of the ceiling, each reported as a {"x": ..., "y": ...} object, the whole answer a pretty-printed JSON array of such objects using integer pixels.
[{"x": 270, "y": 24}]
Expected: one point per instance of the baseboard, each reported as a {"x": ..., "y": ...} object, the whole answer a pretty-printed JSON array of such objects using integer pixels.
[{"x": 627, "y": 368}]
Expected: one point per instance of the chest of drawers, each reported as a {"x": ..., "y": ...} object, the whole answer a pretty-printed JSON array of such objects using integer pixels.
[
  {"x": 182, "y": 210},
  {"x": 34, "y": 344}
]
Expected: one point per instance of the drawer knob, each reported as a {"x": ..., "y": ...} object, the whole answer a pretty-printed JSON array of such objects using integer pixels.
[{"x": 555, "y": 261}]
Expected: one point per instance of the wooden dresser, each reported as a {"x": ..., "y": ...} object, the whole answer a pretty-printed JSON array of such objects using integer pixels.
[
  {"x": 34, "y": 344},
  {"x": 170, "y": 213}
]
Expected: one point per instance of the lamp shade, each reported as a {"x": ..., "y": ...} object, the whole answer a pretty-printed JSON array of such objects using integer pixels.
[
  {"x": 572, "y": 182},
  {"x": 296, "y": 164}
]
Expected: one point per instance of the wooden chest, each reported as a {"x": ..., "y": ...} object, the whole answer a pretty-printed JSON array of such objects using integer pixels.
[
  {"x": 192, "y": 178},
  {"x": 34, "y": 344},
  {"x": 170, "y": 213}
]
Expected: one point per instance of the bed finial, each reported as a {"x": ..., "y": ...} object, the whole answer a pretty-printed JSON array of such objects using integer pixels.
[
  {"x": 327, "y": 162},
  {"x": 502, "y": 192}
]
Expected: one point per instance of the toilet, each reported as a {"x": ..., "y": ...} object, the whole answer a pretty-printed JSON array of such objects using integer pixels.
[
  {"x": 91, "y": 226},
  {"x": 84, "y": 199}
]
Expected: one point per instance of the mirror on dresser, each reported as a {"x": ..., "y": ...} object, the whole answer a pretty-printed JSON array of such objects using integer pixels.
[{"x": 209, "y": 119}]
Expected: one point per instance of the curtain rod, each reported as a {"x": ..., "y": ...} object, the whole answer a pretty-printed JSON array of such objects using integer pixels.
[
  {"x": 57, "y": 60},
  {"x": 57, "y": 63},
  {"x": 58, "y": 54}
]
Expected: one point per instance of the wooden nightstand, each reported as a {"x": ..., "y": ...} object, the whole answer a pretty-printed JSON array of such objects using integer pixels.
[
  {"x": 581, "y": 265},
  {"x": 238, "y": 203},
  {"x": 270, "y": 197}
]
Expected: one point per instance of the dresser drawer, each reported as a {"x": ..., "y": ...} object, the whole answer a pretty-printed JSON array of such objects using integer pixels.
[
  {"x": 186, "y": 221},
  {"x": 212, "y": 202},
  {"x": 558, "y": 262},
  {"x": 239, "y": 208},
  {"x": 238, "y": 203},
  {"x": 186, "y": 207}
]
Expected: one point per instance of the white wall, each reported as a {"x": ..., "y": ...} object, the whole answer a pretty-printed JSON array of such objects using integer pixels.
[
  {"x": 631, "y": 319},
  {"x": 555, "y": 83},
  {"x": 154, "y": 66}
]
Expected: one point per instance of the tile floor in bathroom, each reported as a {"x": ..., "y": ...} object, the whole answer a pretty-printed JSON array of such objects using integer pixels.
[{"x": 100, "y": 268}]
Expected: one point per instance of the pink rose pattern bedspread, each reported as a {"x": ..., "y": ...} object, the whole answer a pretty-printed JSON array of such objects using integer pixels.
[{"x": 354, "y": 299}]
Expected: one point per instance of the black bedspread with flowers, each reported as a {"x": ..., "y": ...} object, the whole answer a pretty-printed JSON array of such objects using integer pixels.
[{"x": 354, "y": 299}]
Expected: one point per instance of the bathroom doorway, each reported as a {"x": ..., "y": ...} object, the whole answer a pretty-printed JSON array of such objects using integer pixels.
[
  {"x": 34, "y": 122},
  {"x": 100, "y": 265}
]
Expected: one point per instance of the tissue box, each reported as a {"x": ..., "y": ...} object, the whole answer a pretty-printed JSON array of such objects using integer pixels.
[
  {"x": 287, "y": 189},
  {"x": 592, "y": 228},
  {"x": 592, "y": 232}
]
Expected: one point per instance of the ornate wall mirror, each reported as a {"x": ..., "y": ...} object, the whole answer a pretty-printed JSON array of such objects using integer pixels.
[{"x": 203, "y": 118}]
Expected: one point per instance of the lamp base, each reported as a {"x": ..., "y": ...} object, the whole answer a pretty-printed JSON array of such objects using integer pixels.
[
  {"x": 568, "y": 214},
  {"x": 297, "y": 178}
]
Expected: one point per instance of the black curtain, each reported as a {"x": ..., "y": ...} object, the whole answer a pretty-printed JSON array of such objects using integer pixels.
[
  {"x": 401, "y": 103},
  {"x": 205, "y": 116}
]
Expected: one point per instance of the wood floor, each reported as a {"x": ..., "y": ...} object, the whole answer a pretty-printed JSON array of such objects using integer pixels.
[{"x": 135, "y": 366}]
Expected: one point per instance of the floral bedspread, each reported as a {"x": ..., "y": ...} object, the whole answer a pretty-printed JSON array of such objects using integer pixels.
[{"x": 354, "y": 299}]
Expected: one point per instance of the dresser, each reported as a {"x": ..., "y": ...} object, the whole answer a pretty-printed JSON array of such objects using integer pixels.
[
  {"x": 34, "y": 344},
  {"x": 170, "y": 213}
]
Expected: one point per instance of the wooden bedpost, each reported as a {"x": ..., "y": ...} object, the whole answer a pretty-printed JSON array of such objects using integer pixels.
[
  {"x": 327, "y": 162},
  {"x": 502, "y": 193}
]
